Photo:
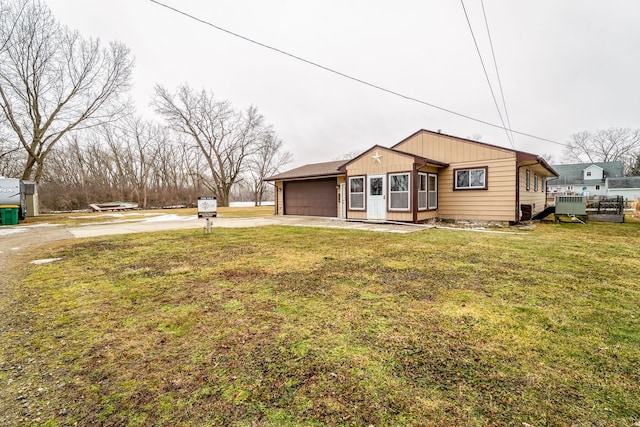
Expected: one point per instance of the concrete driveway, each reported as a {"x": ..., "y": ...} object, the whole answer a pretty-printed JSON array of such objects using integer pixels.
[
  {"x": 16, "y": 242},
  {"x": 175, "y": 222}
]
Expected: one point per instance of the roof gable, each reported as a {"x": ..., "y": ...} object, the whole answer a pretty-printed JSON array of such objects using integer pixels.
[
  {"x": 471, "y": 141},
  {"x": 428, "y": 143},
  {"x": 377, "y": 148}
]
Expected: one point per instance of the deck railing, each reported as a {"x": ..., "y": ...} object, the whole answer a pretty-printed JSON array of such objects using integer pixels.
[{"x": 606, "y": 205}]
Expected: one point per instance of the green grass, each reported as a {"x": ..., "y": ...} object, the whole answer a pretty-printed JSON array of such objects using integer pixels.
[{"x": 288, "y": 326}]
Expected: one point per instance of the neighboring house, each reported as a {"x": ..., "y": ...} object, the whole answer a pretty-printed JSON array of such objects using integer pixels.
[
  {"x": 426, "y": 176},
  {"x": 584, "y": 179},
  {"x": 627, "y": 187}
]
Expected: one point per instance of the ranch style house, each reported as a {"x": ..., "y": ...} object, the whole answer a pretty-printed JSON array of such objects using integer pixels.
[{"x": 426, "y": 176}]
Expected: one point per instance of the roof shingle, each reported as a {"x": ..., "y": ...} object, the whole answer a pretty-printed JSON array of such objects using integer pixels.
[
  {"x": 325, "y": 169},
  {"x": 624, "y": 182}
]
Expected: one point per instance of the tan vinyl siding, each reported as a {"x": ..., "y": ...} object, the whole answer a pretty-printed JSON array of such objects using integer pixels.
[
  {"x": 497, "y": 203},
  {"x": 357, "y": 214},
  {"x": 426, "y": 215},
  {"x": 400, "y": 216},
  {"x": 389, "y": 162},
  {"x": 429, "y": 169},
  {"x": 341, "y": 180},
  {"x": 451, "y": 150},
  {"x": 531, "y": 197},
  {"x": 279, "y": 200}
]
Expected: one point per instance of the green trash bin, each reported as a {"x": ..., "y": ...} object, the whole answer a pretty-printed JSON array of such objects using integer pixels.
[{"x": 9, "y": 214}]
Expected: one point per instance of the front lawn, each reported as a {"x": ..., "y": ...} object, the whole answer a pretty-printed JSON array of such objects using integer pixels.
[{"x": 288, "y": 326}]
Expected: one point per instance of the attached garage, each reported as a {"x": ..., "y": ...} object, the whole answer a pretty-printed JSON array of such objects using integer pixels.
[
  {"x": 310, "y": 190},
  {"x": 317, "y": 197}
]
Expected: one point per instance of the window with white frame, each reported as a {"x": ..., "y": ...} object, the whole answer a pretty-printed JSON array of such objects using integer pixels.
[
  {"x": 527, "y": 180},
  {"x": 422, "y": 191},
  {"x": 470, "y": 179},
  {"x": 433, "y": 191},
  {"x": 535, "y": 182},
  {"x": 356, "y": 193},
  {"x": 427, "y": 191},
  {"x": 543, "y": 184},
  {"x": 399, "y": 191}
]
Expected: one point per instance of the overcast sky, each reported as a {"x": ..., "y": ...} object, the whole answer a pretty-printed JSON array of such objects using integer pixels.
[{"x": 565, "y": 66}]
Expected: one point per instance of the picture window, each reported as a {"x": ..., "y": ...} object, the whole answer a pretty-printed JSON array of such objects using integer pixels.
[{"x": 471, "y": 179}]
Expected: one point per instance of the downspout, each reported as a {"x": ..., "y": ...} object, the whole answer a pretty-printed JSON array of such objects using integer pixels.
[{"x": 518, "y": 193}]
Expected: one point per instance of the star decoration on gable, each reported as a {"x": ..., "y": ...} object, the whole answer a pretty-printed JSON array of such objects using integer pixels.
[{"x": 376, "y": 157}]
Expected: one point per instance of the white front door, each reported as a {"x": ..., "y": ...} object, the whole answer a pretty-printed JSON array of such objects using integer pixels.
[{"x": 376, "y": 197}]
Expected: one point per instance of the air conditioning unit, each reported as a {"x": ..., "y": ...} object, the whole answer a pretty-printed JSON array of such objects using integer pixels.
[{"x": 571, "y": 205}]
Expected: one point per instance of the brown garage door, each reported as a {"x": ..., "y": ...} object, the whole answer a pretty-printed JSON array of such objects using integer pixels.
[{"x": 316, "y": 197}]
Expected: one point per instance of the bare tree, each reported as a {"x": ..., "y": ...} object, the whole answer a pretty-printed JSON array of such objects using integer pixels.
[
  {"x": 549, "y": 157},
  {"x": 634, "y": 169},
  {"x": 53, "y": 81},
  {"x": 225, "y": 137},
  {"x": 10, "y": 158},
  {"x": 79, "y": 171},
  {"x": 605, "y": 145},
  {"x": 349, "y": 155},
  {"x": 8, "y": 24},
  {"x": 176, "y": 172},
  {"x": 8, "y": 152},
  {"x": 267, "y": 160},
  {"x": 134, "y": 146}
]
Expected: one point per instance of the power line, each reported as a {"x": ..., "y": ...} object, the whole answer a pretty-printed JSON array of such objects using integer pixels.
[
  {"x": 486, "y": 75},
  {"x": 347, "y": 76},
  {"x": 495, "y": 64}
]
